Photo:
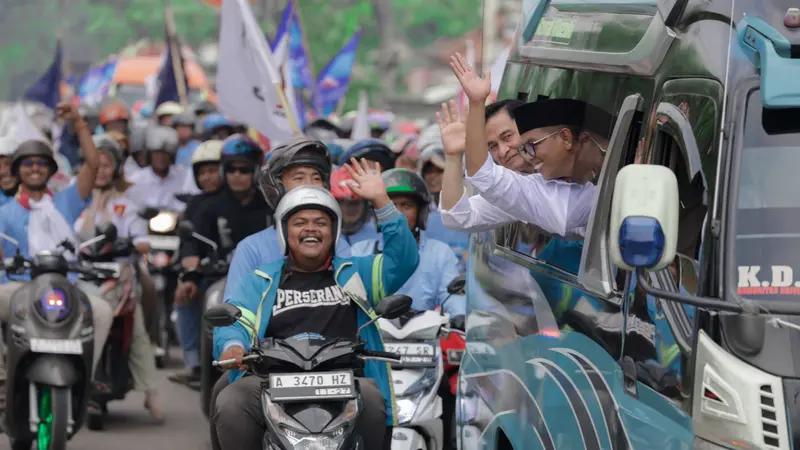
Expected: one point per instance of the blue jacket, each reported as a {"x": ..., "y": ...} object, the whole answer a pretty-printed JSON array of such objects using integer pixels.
[{"x": 368, "y": 279}]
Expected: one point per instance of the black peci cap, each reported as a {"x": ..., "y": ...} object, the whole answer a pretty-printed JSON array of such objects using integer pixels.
[{"x": 564, "y": 112}]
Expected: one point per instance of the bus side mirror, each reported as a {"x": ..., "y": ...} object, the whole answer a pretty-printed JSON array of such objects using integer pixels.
[{"x": 643, "y": 231}]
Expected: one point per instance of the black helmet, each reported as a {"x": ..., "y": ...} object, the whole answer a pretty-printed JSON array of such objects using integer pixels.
[
  {"x": 298, "y": 151},
  {"x": 183, "y": 119},
  {"x": 33, "y": 147},
  {"x": 204, "y": 107},
  {"x": 406, "y": 182},
  {"x": 161, "y": 139},
  {"x": 323, "y": 130},
  {"x": 371, "y": 149}
]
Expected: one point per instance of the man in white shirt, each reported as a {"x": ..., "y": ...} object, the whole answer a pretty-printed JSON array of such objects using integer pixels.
[{"x": 158, "y": 184}]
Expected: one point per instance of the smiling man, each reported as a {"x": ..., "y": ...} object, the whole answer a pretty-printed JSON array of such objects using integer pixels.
[{"x": 8, "y": 182}]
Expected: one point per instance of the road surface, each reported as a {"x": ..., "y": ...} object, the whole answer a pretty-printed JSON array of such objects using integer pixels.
[{"x": 128, "y": 426}]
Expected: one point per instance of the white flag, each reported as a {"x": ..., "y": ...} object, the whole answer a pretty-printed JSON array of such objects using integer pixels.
[
  {"x": 247, "y": 74},
  {"x": 361, "y": 122},
  {"x": 281, "y": 56},
  {"x": 498, "y": 68},
  {"x": 26, "y": 130}
]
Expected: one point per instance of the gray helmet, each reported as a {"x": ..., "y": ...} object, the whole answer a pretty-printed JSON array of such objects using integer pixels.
[
  {"x": 107, "y": 144},
  {"x": 302, "y": 198},
  {"x": 299, "y": 151},
  {"x": 33, "y": 147},
  {"x": 162, "y": 139},
  {"x": 183, "y": 119},
  {"x": 137, "y": 138}
]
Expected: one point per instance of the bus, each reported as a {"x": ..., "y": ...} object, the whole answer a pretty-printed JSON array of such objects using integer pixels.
[{"x": 692, "y": 347}]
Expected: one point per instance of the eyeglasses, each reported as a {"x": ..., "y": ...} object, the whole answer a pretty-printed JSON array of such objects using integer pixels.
[
  {"x": 529, "y": 148},
  {"x": 242, "y": 170},
  {"x": 35, "y": 162}
]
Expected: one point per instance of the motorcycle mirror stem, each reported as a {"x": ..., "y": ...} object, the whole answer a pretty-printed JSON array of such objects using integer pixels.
[
  {"x": 91, "y": 241},
  {"x": 205, "y": 240}
]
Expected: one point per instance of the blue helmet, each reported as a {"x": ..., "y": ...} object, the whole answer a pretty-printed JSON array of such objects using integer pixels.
[
  {"x": 241, "y": 148},
  {"x": 371, "y": 149},
  {"x": 212, "y": 122},
  {"x": 337, "y": 147}
]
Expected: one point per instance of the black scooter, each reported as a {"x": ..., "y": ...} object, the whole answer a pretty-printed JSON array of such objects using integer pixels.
[
  {"x": 214, "y": 270},
  {"x": 309, "y": 391},
  {"x": 50, "y": 344}
]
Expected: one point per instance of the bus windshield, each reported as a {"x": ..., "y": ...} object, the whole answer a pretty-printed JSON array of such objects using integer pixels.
[{"x": 767, "y": 205}]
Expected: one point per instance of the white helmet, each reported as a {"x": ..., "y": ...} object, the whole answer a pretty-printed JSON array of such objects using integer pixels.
[
  {"x": 8, "y": 145},
  {"x": 169, "y": 109},
  {"x": 207, "y": 152},
  {"x": 299, "y": 199}
]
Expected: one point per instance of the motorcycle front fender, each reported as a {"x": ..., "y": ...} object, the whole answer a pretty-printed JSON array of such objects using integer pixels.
[{"x": 54, "y": 370}]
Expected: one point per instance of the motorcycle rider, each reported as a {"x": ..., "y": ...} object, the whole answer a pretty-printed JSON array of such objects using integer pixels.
[
  {"x": 40, "y": 221},
  {"x": 111, "y": 204},
  {"x": 203, "y": 108},
  {"x": 300, "y": 161},
  {"x": 438, "y": 266},
  {"x": 431, "y": 166},
  {"x": 157, "y": 185},
  {"x": 115, "y": 117},
  {"x": 371, "y": 150},
  {"x": 356, "y": 213},
  {"x": 137, "y": 151},
  {"x": 216, "y": 126},
  {"x": 8, "y": 182},
  {"x": 309, "y": 221},
  {"x": 184, "y": 125},
  {"x": 236, "y": 212},
  {"x": 165, "y": 111}
]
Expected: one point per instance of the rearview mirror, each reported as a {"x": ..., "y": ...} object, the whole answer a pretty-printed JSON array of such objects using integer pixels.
[
  {"x": 643, "y": 231},
  {"x": 185, "y": 229},
  {"x": 222, "y": 315},
  {"x": 457, "y": 285},
  {"x": 148, "y": 213},
  {"x": 393, "y": 306},
  {"x": 109, "y": 231}
]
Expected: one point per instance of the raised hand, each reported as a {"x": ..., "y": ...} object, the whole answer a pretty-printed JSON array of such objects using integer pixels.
[
  {"x": 67, "y": 111},
  {"x": 367, "y": 182},
  {"x": 476, "y": 88},
  {"x": 454, "y": 132}
]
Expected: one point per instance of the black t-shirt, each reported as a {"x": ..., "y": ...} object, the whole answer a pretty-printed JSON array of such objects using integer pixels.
[{"x": 311, "y": 302}]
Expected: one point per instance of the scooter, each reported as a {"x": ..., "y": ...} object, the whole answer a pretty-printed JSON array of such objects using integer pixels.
[
  {"x": 112, "y": 378},
  {"x": 164, "y": 264},
  {"x": 50, "y": 343},
  {"x": 417, "y": 377},
  {"x": 306, "y": 406},
  {"x": 214, "y": 270}
]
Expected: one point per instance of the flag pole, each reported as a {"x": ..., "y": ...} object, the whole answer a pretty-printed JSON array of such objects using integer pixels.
[
  {"x": 285, "y": 103},
  {"x": 314, "y": 97},
  {"x": 176, "y": 56}
]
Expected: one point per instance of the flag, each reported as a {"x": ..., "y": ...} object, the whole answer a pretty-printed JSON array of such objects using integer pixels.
[
  {"x": 361, "y": 128},
  {"x": 498, "y": 68},
  {"x": 25, "y": 129},
  {"x": 301, "y": 79},
  {"x": 334, "y": 79},
  {"x": 47, "y": 89},
  {"x": 173, "y": 69},
  {"x": 93, "y": 86},
  {"x": 247, "y": 75},
  {"x": 280, "y": 51}
]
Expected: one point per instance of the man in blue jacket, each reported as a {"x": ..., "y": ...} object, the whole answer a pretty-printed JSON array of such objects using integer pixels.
[{"x": 311, "y": 290}]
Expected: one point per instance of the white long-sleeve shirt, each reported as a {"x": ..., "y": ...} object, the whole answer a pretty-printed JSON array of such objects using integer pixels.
[
  {"x": 556, "y": 206},
  {"x": 474, "y": 214},
  {"x": 151, "y": 190}
]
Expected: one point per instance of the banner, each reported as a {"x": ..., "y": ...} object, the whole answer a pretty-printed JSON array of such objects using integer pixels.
[{"x": 334, "y": 79}]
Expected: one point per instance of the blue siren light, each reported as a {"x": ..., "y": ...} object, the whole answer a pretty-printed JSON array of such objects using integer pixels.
[{"x": 641, "y": 241}]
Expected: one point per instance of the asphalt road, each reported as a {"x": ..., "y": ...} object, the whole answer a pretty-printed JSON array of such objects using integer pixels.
[{"x": 129, "y": 426}]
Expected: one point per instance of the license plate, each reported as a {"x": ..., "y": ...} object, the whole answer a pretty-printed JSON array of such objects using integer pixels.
[
  {"x": 308, "y": 386},
  {"x": 413, "y": 354},
  {"x": 158, "y": 242},
  {"x": 57, "y": 346}
]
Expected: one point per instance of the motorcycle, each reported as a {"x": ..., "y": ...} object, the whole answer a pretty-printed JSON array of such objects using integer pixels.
[
  {"x": 164, "y": 263},
  {"x": 417, "y": 377},
  {"x": 214, "y": 270},
  {"x": 302, "y": 404},
  {"x": 112, "y": 378},
  {"x": 453, "y": 347},
  {"x": 50, "y": 345}
]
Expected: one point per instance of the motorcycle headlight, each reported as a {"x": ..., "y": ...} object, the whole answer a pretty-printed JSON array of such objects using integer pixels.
[
  {"x": 54, "y": 306},
  {"x": 298, "y": 436},
  {"x": 407, "y": 407},
  {"x": 426, "y": 381},
  {"x": 164, "y": 222},
  {"x": 278, "y": 416},
  {"x": 338, "y": 424}
]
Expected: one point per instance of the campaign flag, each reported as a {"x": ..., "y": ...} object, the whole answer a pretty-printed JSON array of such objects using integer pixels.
[
  {"x": 172, "y": 83},
  {"x": 247, "y": 75},
  {"x": 334, "y": 79},
  {"x": 280, "y": 52},
  {"x": 47, "y": 89},
  {"x": 361, "y": 129},
  {"x": 93, "y": 86}
]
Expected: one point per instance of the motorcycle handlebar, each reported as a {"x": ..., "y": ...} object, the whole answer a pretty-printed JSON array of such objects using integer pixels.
[
  {"x": 252, "y": 357},
  {"x": 367, "y": 354}
]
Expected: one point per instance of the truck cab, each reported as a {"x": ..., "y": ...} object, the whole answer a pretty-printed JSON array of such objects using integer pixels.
[{"x": 669, "y": 319}]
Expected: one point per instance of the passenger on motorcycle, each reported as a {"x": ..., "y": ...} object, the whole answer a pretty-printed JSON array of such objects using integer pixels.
[
  {"x": 226, "y": 218},
  {"x": 300, "y": 161},
  {"x": 115, "y": 117},
  {"x": 165, "y": 111},
  {"x": 157, "y": 185},
  {"x": 8, "y": 182},
  {"x": 137, "y": 149},
  {"x": 41, "y": 221},
  {"x": 438, "y": 266},
  {"x": 184, "y": 125},
  {"x": 309, "y": 221},
  {"x": 357, "y": 223},
  {"x": 111, "y": 204}
]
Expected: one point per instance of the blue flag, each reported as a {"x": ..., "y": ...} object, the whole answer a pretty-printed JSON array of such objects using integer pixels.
[
  {"x": 93, "y": 86},
  {"x": 168, "y": 90},
  {"x": 334, "y": 78},
  {"x": 47, "y": 89}
]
